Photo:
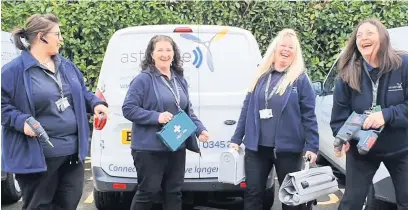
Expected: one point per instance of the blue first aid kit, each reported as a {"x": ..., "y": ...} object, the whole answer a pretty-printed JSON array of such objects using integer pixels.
[{"x": 175, "y": 132}]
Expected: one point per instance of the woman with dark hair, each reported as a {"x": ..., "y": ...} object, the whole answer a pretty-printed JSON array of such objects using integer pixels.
[
  {"x": 373, "y": 81},
  {"x": 43, "y": 85},
  {"x": 154, "y": 96}
]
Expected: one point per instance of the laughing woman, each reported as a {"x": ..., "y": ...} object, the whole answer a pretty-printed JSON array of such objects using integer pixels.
[
  {"x": 154, "y": 96},
  {"x": 373, "y": 79},
  {"x": 277, "y": 120}
]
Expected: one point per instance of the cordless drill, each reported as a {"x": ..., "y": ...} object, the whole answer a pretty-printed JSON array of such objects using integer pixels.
[
  {"x": 39, "y": 130},
  {"x": 352, "y": 129}
]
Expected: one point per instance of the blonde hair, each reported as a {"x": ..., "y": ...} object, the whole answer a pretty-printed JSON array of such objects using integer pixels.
[{"x": 296, "y": 68}]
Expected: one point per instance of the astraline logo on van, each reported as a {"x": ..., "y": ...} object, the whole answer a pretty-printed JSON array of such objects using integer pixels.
[{"x": 198, "y": 56}]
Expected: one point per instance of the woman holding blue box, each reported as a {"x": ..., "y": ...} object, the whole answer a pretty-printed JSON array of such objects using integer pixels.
[
  {"x": 277, "y": 121},
  {"x": 158, "y": 93}
]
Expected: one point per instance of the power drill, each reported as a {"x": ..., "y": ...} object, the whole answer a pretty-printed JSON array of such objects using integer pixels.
[
  {"x": 352, "y": 129},
  {"x": 39, "y": 130}
]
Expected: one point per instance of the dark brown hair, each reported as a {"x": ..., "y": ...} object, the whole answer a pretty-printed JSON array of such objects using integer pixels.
[
  {"x": 34, "y": 24},
  {"x": 148, "y": 61},
  {"x": 350, "y": 62}
]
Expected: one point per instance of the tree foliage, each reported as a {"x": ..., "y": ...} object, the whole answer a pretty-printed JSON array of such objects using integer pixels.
[{"x": 323, "y": 27}]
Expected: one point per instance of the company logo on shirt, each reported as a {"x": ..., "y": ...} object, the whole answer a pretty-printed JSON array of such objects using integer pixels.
[
  {"x": 207, "y": 45},
  {"x": 396, "y": 87},
  {"x": 294, "y": 90}
]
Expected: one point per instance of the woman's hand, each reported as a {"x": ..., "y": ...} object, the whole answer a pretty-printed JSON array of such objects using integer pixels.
[
  {"x": 311, "y": 156},
  {"x": 204, "y": 136},
  {"x": 165, "y": 117},
  {"x": 374, "y": 120},
  {"x": 101, "y": 109},
  {"x": 28, "y": 130},
  {"x": 343, "y": 150},
  {"x": 234, "y": 146}
]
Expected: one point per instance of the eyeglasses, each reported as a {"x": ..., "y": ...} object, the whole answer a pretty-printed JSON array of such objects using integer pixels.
[{"x": 56, "y": 33}]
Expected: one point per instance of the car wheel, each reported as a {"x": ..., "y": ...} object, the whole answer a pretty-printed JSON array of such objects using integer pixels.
[
  {"x": 10, "y": 190},
  {"x": 374, "y": 204},
  {"x": 107, "y": 200}
]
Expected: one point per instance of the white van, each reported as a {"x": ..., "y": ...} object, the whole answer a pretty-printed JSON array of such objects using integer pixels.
[
  {"x": 381, "y": 195},
  {"x": 10, "y": 190},
  {"x": 219, "y": 64}
]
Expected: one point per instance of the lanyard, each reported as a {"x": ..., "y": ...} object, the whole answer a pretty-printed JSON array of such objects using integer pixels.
[
  {"x": 268, "y": 83},
  {"x": 57, "y": 79},
  {"x": 175, "y": 93},
  {"x": 375, "y": 86}
]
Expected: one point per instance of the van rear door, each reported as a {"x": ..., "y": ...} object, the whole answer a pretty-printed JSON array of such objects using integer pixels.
[
  {"x": 229, "y": 60},
  {"x": 121, "y": 64},
  {"x": 8, "y": 49}
]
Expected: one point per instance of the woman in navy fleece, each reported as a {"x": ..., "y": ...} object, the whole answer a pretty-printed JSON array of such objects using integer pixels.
[
  {"x": 368, "y": 60},
  {"x": 40, "y": 83},
  {"x": 277, "y": 121},
  {"x": 149, "y": 104}
]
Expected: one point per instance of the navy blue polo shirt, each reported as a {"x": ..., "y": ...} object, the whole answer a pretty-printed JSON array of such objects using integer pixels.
[
  {"x": 371, "y": 70},
  {"x": 168, "y": 97},
  {"x": 61, "y": 127},
  {"x": 268, "y": 126}
]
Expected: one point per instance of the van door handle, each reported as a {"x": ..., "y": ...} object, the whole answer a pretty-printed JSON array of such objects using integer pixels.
[{"x": 230, "y": 122}]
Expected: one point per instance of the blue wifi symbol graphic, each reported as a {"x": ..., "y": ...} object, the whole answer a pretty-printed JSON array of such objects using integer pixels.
[{"x": 198, "y": 57}]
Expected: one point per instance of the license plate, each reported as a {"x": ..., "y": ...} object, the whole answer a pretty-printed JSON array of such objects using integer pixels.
[{"x": 126, "y": 136}]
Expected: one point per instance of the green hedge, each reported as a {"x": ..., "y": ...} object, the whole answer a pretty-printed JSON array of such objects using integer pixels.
[{"x": 323, "y": 26}]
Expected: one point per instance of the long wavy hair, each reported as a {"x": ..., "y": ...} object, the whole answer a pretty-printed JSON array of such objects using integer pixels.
[
  {"x": 350, "y": 62},
  {"x": 148, "y": 61},
  {"x": 296, "y": 68}
]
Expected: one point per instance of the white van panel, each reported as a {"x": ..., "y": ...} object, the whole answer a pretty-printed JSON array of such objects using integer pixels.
[
  {"x": 211, "y": 56},
  {"x": 8, "y": 49},
  {"x": 235, "y": 55},
  {"x": 398, "y": 37}
]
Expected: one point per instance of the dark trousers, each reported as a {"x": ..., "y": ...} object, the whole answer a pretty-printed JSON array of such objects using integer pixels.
[
  {"x": 360, "y": 170},
  {"x": 159, "y": 172},
  {"x": 257, "y": 168},
  {"x": 60, "y": 187}
]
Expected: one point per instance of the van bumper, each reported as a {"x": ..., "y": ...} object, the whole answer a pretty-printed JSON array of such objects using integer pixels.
[{"x": 104, "y": 183}]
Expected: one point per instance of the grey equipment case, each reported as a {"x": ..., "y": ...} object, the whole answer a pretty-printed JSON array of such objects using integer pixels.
[
  {"x": 307, "y": 185},
  {"x": 231, "y": 167}
]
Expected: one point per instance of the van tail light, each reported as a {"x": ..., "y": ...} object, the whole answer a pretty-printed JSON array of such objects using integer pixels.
[
  {"x": 100, "y": 120},
  {"x": 243, "y": 185},
  {"x": 120, "y": 186},
  {"x": 183, "y": 30},
  {"x": 99, "y": 94}
]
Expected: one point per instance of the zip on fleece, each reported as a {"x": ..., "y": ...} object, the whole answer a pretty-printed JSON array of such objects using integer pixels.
[{"x": 27, "y": 86}]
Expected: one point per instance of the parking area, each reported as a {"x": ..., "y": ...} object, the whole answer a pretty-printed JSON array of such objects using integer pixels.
[{"x": 329, "y": 202}]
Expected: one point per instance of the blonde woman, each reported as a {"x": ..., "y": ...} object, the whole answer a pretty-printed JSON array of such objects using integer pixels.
[{"x": 281, "y": 128}]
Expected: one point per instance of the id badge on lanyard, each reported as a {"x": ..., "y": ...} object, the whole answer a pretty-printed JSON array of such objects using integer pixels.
[
  {"x": 267, "y": 113},
  {"x": 175, "y": 92},
  {"x": 374, "y": 107},
  {"x": 62, "y": 103}
]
